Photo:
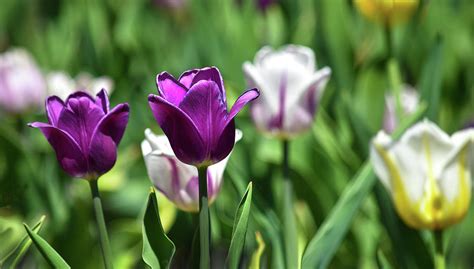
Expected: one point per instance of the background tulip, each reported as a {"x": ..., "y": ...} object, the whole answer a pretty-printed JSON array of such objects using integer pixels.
[
  {"x": 290, "y": 86},
  {"x": 62, "y": 85},
  {"x": 409, "y": 101},
  {"x": 84, "y": 132},
  {"x": 387, "y": 11},
  {"x": 176, "y": 180},
  {"x": 427, "y": 173},
  {"x": 22, "y": 85},
  {"x": 192, "y": 111}
]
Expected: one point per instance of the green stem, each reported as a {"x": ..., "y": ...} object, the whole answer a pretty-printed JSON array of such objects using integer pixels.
[
  {"x": 439, "y": 257},
  {"x": 204, "y": 221},
  {"x": 99, "y": 216},
  {"x": 289, "y": 220}
]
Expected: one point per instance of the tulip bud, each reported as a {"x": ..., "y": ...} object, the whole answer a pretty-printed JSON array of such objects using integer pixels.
[
  {"x": 176, "y": 180},
  {"x": 290, "y": 86},
  {"x": 22, "y": 86},
  {"x": 409, "y": 101},
  {"x": 84, "y": 132},
  {"x": 387, "y": 12},
  {"x": 192, "y": 111},
  {"x": 427, "y": 173}
]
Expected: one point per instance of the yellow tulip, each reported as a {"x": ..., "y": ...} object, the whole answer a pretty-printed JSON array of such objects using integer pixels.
[
  {"x": 427, "y": 173},
  {"x": 388, "y": 12}
]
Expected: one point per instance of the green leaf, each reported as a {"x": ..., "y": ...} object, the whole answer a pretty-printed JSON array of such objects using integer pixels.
[
  {"x": 431, "y": 78},
  {"x": 51, "y": 256},
  {"x": 257, "y": 255},
  {"x": 240, "y": 228},
  {"x": 12, "y": 259},
  {"x": 324, "y": 244},
  {"x": 382, "y": 260},
  {"x": 326, "y": 241},
  {"x": 290, "y": 233},
  {"x": 158, "y": 249}
]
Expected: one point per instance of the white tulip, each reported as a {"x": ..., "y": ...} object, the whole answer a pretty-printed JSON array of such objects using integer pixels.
[
  {"x": 427, "y": 173},
  {"x": 176, "y": 180},
  {"x": 290, "y": 89}
]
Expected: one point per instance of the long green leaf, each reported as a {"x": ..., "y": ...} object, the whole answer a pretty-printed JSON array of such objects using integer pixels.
[
  {"x": 158, "y": 249},
  {"x": 325, "y": 243},
  {"x": 48, "y": 252},
  {"x": 240, "y": 228},
  {"x": 257, "y": 255},
  {"x": 12, "y": 259},
  {"x": 290, "y": 233}
]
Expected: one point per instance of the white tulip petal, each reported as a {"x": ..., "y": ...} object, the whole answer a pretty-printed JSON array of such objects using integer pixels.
[
  {"x": 382, "y": 141},
  {"x": 303, "y": 54}
]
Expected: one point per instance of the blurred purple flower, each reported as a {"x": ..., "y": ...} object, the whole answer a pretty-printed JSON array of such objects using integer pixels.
[
  {"x": 291, "y": 88},
  {"x": 264, "y": 4},
  {"x": 409, "y": 99},
  {"x": 84, "y": 132},
  {"x": 173, "y": 4},
  {"x": 22, "y": 85},
  {"x": 192, "y": 111},
  {"x": 176, "y": 180}
]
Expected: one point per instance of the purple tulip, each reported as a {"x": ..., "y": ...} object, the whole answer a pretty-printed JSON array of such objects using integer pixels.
[
  {"x": 192, "y": 111},
  {"x": 84, "y": 132},
  {"x": 22, "y": 86}
]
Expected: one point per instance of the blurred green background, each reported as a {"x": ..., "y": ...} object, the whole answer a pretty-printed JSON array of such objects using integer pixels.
[{"x": 133, "y": 40}]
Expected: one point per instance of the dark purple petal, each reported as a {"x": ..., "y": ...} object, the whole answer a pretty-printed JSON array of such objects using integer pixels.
[
  {"x": 54, "y": 106},
  {"x": 170, "y": 89},
  {"x": 183, "y": 135},
  {"x": 68, "y": 153},
  {"x": 208, "y": 111},
  {"x": 243, "y": 99},
  {"x": 114, "y": 123},
  {"x": 79, "y": 119},
  {"x": 78, "y": 95},
  {"x": 102, "y": 154},
  {"x": 225, "y": 144},
  {"x": 102, "y": 100},
  {"x": 187, "y": 77},
  {"x": 210, "y": 74}
]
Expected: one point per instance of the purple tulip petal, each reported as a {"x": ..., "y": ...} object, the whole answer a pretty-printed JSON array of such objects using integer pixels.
[
  {"x": 243, "y": 99},
  {"x": 225, "y": 144},
  {"x": 210, "y": 74},
  {"x": 68, "y": 153},
  {"x": 102, "y": 100},
  {"x": 78, "y": 95},
  {"x": 54, "y": 106},
  {"x": 187, "y": 77},
  {"x": 79, "y": 119},
  {"x": 170, "y": 89},
  {"x": 102, "y": 153},
  {"x": 114, "y": 123},
  {"x": 205, "y": 106},
  {"x": 183, "y": 135}
]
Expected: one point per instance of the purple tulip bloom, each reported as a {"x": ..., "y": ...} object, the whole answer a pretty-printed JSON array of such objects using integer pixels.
[
  {"x": 192, "y": 111},
  {"x": 84, "y": 132}
]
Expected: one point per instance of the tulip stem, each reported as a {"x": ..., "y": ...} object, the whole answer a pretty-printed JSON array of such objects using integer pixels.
[
  {"x": 439, "y": 257},
  {"x": 204, "y": 221},
  {"x": 102, "y": 229},
  {"x": 289, "y": 222}
]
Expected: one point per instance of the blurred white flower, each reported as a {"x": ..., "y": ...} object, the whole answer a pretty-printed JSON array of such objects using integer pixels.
[
  {"x": 62, "y": 85},
  {"x": 176, "y": 180},
  {"x": 409, "y": 101},
  {"x": 427, "y": 173},
  {"x": 22, "y": 86},
  {"x": 290, "y": 89}
]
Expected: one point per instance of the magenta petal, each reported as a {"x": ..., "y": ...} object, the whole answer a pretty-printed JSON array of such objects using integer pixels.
[
  {"x": 243, "y": 99},
  {"x": 225, "y": 144},
  {"x": 54, "y": 106},
  {"x": 183, "y": 135},
  {"x": 187, "y": 77},
  {"x": 210, "y": 74},
  {"x": 102, "y": 100},
  {"x": 206, "y": 108},
  {"x": 170, "y": 89},
  {"x": 68, "y": 153},
  {"x": 79, "y": 119}
]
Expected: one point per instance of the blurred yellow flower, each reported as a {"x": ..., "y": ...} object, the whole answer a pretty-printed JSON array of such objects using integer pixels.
[
  {"x": 388, "y": 12},
  {"x": 427, "y": 173}
]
